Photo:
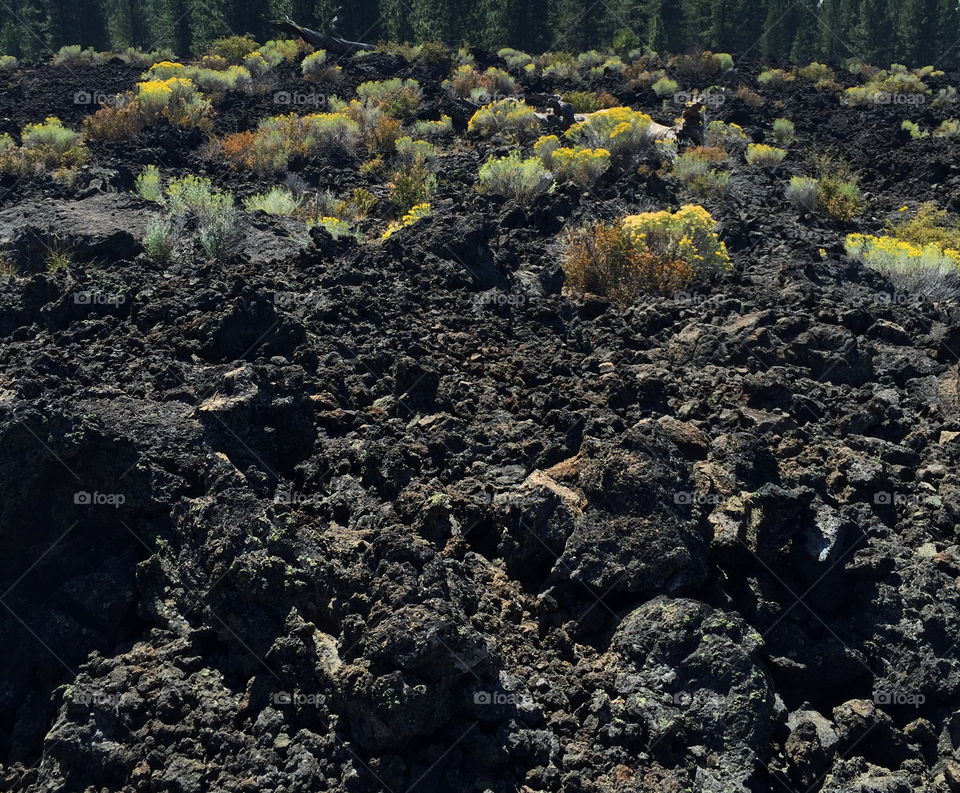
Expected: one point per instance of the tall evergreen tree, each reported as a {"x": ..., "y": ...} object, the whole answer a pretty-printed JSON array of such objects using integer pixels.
[
  {"x": 779, "y": 31},
  {"x": 917, "y": 30},
  {"x": 870, "y": 36}
]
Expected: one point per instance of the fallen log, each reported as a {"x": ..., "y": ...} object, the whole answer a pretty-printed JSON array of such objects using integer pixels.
[{"x": 322, "y": 41}]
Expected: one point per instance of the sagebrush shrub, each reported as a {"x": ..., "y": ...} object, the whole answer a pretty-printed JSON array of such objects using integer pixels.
[
  {"x": 784, "y": 131},
  {"x": 147, "y": 185},
  {"x": 161, "y": 237},
  {"x": 665, "y": 87},
  {"x": 73, "y": 55},
  {"x": 802, "y": 193},
  {"x": 276, "y": 201},
  {"x": 398, "y": 98},
  {"x": 515, "y": 178}
]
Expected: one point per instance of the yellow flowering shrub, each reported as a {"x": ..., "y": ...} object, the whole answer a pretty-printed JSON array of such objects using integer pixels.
[
  {"x": 231, "y": 78},
  {"x": 416, "y": 213},
  {"x": 335, "y": 227},
  {"x": 620, "y": 130},
  {"x": 764, "y": 156},
  {"x": 925, "y": 271},
  {"x": 44, "y": 146},
  {"x": 650, "y": 253},
  {"x": 579, "y": 164},
  {"x": 513, "y": 115},
  {"x": 726, "y": 136}
]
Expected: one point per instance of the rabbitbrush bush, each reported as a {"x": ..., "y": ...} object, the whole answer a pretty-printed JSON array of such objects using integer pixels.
[
  {"x": 620, "y": 130},
  {"x": 651, "y": 253},
  {"x": 416, "y": 213},
  {"x": 175, "y": 99},
  {"x": 432, "y": 129},
  {"x": 929, "y": 271},
  {"x": 516, "y": 178},
  {"x": 233, "y": 48},
  {"x": 232, "y": 78},
  {"x": 43, "y": 147},
  {"x": 482, "y": 87},
  {"x": 504, "y": 115},
  {"x": 316, "y": 69},
  {"x": 727, "y": 136},
  {"x": 580, "y": 165},
  {"x": 764, "y": 156},
  {"x": 772, "y": 78}
]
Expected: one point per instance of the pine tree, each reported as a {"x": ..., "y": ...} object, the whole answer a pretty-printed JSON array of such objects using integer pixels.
[
  {"x": 780, "y": 31},
  {"x": 946, "y": 51},
  {"x": 665, "y": 31},
  {"x": 917, "y": 30},
  {"x": 870, "y": 37}
]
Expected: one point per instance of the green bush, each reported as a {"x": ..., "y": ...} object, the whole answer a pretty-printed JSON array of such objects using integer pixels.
[
  {"x": 161, "y": 237},
  {"x": 515, "y": 178},
  {"x": 784, "y": 131},
  {"x": 398, "y": 98},
  {"x": 802, "y": 192},
  {"x": 147, "y": 185},
  {"x": 72, "y": 56},
  {"x": 665, "y": 87},
  {"x": 233, "y": 48},
  {"x": 276, "y": 201},
  {"x": 7, "y": 63}
]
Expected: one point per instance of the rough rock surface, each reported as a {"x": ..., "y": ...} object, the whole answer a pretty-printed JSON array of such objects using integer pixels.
[{"x": 404, "y": 516}]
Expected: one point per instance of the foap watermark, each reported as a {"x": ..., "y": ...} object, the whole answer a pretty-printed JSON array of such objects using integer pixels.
[
  {"x": 300, "y": 99},
  {"x": 293, "y": 498},
  {"x": 502, "y": 698},
  {"x": 689, "y": 498},
  {"x": 708, "y": 99},
  {"x": 694, "y": 298},
  {"x": 299, "y": 299},
  {"x": 97, "y": 499},
  {"x": 95, "y": 96},
  {"x": 885, "y": 498},
  {"x": 296, "y": 698},
  {"x": 493, "y": 298},
  {"x": 697, "y": 699},
  {"x": 93, "y": 696},
  {"x": 90, "y": 298},
  {"x": 898, "y": 698},
  {"x": 897, "y": 299},
  {"x": 895, "y": 98}
]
